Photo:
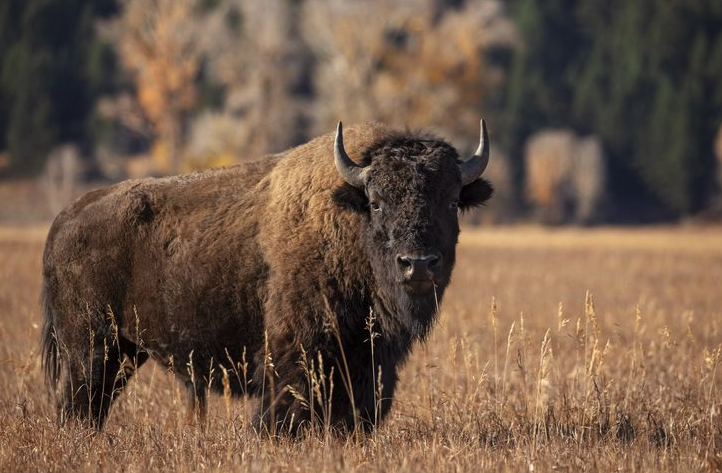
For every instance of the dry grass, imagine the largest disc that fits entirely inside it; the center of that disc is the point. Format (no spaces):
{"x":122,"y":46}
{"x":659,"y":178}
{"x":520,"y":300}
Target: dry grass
{"x":524,"y":372}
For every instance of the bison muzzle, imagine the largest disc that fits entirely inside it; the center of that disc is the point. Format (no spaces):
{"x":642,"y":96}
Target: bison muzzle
{"x":303,"y":268}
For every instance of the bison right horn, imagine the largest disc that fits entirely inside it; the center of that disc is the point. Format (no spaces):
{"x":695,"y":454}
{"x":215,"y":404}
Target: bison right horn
{"x":351,"y":172}
{"x":472,"y":168}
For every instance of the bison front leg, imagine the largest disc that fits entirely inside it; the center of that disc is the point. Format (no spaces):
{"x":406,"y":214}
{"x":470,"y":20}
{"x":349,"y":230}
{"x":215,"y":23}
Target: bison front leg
{"x":305,"y":388}
{"x":299,"y":369}
{"x":284,"y":407}
{"x":280,"y":414}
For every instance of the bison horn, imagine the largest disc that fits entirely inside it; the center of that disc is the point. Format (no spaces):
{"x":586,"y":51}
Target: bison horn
{"x":472,"y":168}
{"x":351,"y":172}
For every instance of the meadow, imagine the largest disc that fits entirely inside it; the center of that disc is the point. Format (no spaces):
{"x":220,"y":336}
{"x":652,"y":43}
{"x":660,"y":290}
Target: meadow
{"x":555,"y":350}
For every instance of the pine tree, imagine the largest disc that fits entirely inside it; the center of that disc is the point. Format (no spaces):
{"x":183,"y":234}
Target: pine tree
{"x":540,"y":84}
{"x":641,"y":75}
{"x":46,"y":90}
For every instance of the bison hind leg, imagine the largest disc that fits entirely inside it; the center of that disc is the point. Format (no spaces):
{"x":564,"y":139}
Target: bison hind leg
{"x":92,"y":383}
{"x":196,"y":402}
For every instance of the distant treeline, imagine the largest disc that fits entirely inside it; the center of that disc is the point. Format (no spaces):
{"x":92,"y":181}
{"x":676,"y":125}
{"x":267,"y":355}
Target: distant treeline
{"x":187,"y":81}
{"x":642,"y":75}
{"x":53,"y":69}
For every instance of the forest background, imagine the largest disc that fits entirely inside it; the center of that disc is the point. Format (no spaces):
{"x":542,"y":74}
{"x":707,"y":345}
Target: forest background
{"x":600,"y":111}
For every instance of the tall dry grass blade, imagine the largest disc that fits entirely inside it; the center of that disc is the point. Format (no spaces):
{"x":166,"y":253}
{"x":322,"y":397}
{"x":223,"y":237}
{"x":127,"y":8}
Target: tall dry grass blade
{"x":545,"y":354}
{"x":509,"y":341}
{"x":561,"y":321}
{"x":451,"y":358}
{"x":494,"y":320}
{"x":269,"y":376}
{"x":372,"y":334}
{"x":226,"y":391}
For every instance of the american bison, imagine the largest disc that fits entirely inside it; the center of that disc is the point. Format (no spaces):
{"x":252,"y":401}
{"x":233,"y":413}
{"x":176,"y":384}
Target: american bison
{"x":264,"y":279}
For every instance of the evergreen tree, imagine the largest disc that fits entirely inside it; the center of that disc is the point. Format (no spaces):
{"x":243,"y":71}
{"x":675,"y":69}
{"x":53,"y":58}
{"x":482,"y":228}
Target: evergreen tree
{"x":641,"y":75}
{"x":540,"y":86}
{"x":49,"y":75}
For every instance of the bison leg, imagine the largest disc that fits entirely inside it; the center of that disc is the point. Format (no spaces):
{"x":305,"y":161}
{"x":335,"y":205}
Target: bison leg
{"x":320,"y":391}
{"x":93,"y":382}
{"x":285,"y":404}
{"x":135,"y":357}
{"x":88,"y":388}
{"x":281,"y":413}
{"x":196,"y":393}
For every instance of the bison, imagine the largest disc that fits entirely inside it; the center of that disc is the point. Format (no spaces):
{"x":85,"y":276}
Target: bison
{"x":275,"y":278}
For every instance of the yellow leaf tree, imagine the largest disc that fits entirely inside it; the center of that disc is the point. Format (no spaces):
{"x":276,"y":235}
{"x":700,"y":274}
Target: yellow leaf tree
{"x":159,"y":45}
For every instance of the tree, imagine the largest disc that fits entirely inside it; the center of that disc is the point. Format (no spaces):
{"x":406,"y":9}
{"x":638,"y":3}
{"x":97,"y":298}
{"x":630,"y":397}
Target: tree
{"x":47,"y":89}
{"x":267,"y":69}
{"x":642,"y":75}
{"x":413,"y":64}
{"x":160,"y":44}
{"x":541,"y":80}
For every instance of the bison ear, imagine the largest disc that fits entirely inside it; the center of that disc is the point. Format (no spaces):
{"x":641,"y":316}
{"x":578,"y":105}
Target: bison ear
{"x":475,"y":194}
{"x":351,"y":198}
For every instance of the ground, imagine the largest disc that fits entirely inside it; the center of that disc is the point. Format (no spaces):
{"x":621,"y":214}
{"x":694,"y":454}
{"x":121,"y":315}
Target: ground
{"x":568,"y":349}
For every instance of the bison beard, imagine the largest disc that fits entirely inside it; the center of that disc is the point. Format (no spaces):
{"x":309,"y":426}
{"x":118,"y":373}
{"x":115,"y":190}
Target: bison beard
{"x":263,"y":279}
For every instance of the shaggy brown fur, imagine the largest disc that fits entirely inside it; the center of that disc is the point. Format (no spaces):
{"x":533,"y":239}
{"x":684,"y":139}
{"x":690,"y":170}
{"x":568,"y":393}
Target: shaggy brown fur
{"x":270,"y":260}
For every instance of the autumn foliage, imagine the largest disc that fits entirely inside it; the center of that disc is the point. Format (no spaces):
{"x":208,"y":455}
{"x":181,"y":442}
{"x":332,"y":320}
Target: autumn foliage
{"x":159,"y":45}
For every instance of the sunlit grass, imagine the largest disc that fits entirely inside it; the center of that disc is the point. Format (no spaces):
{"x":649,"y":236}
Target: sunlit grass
{"x":562,"y":349}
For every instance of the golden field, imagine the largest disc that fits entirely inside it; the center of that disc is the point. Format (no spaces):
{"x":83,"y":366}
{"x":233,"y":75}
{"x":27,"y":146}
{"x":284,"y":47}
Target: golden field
{"x":556,"y":350}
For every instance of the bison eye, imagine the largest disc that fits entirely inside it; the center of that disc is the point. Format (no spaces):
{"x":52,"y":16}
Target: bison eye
{"x":454,"y":205}
{"x":375,"y":206}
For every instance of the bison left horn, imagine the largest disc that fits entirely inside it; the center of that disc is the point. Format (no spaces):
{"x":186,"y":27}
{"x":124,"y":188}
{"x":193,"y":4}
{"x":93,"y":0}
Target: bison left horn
{"x":472,"y":168}
{"x":351,"y":172}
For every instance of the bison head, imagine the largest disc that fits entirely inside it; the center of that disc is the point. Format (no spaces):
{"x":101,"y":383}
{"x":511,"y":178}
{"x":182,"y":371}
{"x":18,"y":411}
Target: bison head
{"x":411,"y":191}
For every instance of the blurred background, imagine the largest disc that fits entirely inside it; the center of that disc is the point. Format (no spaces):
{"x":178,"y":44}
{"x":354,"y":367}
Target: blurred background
{"x":599,"y":112}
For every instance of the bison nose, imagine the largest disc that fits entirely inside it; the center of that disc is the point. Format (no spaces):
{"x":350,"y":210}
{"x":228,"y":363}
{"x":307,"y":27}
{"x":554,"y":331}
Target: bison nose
{"x":418,"y":268}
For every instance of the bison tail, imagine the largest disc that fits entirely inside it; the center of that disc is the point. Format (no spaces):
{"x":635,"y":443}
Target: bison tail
{"x":50,"y":347}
